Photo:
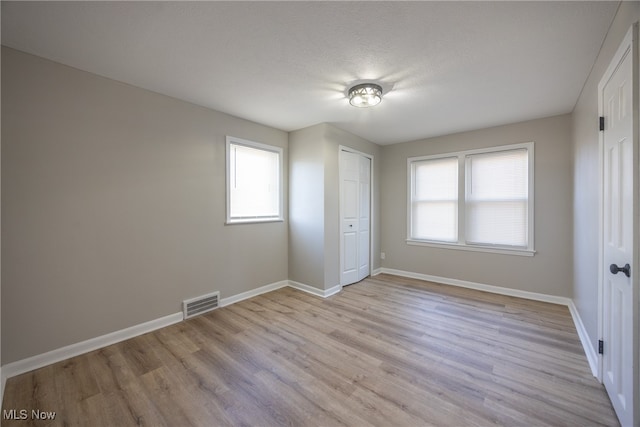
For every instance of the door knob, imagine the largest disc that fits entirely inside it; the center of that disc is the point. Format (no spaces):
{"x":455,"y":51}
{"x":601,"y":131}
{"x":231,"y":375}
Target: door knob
{"x":626,"y":269}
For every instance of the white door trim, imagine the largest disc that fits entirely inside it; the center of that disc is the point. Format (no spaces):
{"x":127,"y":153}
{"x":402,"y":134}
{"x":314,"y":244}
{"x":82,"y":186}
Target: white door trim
{"x":628,"y":46}
{"x":371,"y":205}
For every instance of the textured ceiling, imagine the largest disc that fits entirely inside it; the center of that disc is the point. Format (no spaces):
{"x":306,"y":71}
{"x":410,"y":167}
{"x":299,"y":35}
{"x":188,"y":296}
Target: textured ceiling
{"x":445,"y":67}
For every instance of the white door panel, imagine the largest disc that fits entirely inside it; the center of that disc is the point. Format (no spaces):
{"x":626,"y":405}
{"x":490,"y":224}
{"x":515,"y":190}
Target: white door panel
{"x":350,"y":251}
{"x":619,"y":296}
{"x":350,"y":199}
{"x":363,"y":265}
{"x":364,"y":210}
{"x":365,"y":196}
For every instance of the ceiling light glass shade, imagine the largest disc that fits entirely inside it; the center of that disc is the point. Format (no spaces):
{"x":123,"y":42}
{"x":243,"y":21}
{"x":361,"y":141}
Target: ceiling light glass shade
{"x":365,"y":95}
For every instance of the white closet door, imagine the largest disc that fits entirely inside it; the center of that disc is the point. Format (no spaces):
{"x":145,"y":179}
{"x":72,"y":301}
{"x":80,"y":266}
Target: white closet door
{"x":355,"y":217}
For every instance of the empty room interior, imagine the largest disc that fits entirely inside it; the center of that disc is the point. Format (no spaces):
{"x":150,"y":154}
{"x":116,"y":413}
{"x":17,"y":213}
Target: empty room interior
{"x":320,"y":213}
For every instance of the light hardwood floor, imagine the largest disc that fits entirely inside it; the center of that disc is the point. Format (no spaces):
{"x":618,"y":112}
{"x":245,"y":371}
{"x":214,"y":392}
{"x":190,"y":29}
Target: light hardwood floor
{"x":387,"y":351}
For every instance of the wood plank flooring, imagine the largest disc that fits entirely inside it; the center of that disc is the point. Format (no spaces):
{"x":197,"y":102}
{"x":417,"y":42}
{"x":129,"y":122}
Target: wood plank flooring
{"x":387,"y":351}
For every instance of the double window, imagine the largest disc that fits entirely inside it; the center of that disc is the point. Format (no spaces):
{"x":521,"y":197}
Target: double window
{"x":254,"y":182}
{"x":476,"y":200}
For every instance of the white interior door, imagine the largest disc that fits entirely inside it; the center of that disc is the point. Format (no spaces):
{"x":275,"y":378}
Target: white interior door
{"x":619,"y":292}
{"x":355,"y":216}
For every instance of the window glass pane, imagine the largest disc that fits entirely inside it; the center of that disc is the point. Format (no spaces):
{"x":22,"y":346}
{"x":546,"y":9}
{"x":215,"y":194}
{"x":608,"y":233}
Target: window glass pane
{"x":434,"y":199}
{"x":497,"y":198}
{"x":435,"y":221}
{"x":254,"y":186}
{"x":436,"y":179}
{"x":497,"y":223}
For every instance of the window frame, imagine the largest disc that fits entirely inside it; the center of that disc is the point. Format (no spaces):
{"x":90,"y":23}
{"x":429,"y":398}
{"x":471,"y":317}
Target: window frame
{"x":463,"y":172}
{"x":231,"y":140}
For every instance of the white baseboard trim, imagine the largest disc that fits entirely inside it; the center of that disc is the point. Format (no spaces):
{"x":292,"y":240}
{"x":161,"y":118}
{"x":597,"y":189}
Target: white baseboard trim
{"x":376,"y":272}
{"x":481,"y":287}
{"x":315,"y":291}
{"x":29,"y":364}
{"x":253,"y":293}
{"x":589,"y":351}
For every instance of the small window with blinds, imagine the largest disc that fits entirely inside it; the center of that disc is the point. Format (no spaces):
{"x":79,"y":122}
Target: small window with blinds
{"x":434,"y":199}
{"x":497,"y":198}
{"x":473,"y":200}
{"x":254,"y":182}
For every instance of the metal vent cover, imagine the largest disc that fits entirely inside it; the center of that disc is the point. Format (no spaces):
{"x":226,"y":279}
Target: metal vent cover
{"x":200,"y":305}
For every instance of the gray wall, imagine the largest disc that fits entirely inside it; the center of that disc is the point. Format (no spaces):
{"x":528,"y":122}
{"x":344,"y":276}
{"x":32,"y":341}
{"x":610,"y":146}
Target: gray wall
{"x":549,"y":271}
{"x":314,"y":233}
{"x":306,"y":206}
{"x":114,"y":207}
{"x":586,"y":180}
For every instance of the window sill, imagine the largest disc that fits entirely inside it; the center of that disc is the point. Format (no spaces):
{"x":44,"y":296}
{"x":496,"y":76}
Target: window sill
{"x":252,"y":220}
{"x":474,"y":248}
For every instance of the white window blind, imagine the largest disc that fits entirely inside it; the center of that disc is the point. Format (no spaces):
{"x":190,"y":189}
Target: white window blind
{"x":477,"y":200}
{"x":497,"y":198}
{"x":254,"y":182}
{"x":434,"y":199}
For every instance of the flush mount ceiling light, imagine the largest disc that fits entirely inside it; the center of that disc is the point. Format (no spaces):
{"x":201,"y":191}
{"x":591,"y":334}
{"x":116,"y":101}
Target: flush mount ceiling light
{"x":365,"y":95}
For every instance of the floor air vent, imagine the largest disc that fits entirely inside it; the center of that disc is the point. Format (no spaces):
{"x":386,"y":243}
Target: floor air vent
{"x":195,"y":306}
